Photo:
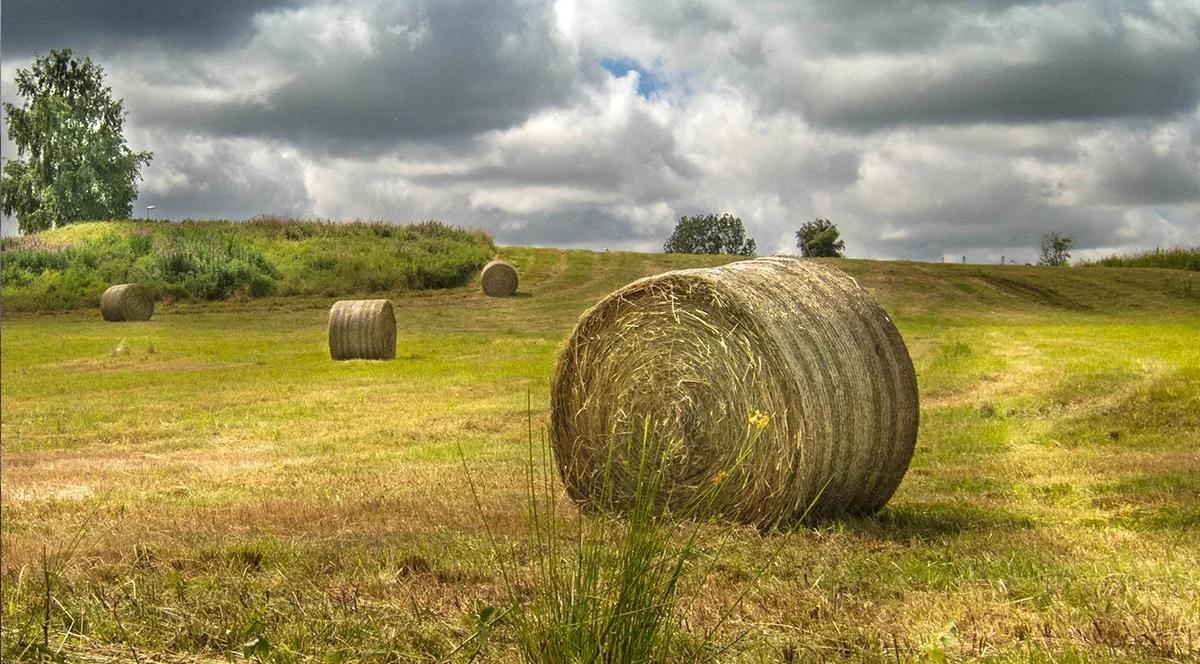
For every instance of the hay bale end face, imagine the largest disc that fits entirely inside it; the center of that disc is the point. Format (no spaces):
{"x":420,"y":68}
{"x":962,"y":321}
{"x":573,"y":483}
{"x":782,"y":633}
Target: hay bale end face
{"x":127,"y":302}
{"x":764,"y":386}
{"x":362,"y":330}
{"x":499,"y":279}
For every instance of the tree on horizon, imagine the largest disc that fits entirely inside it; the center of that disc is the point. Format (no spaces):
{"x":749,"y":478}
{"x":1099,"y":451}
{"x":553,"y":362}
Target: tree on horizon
{"x":73,"y":163}
{"x":710,"y":234}
{"x":820,"y":238}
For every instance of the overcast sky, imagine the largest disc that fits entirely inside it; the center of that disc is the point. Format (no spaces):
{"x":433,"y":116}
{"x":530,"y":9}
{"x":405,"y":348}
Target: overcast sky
{"x":923,"y":129}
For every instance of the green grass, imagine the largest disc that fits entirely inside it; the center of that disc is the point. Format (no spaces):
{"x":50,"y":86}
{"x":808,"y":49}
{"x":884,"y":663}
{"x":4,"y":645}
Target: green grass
{"x":1178,"y":258}
{"x":602,"y":589}
{"x":68,"y":268}
{"x":231,"y":490}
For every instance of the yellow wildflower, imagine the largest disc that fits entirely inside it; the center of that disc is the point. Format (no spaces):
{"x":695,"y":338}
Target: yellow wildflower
{"x":759,"y":419}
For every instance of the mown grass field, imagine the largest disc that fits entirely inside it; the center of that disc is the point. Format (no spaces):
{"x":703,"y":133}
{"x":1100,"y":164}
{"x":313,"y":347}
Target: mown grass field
{"x":209,"y":484}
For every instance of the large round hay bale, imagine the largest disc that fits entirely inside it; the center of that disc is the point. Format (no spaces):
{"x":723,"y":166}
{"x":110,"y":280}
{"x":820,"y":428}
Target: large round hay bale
{"x":499,"y":279}
{"x":764,"y":386}
{"x":125,"y":302}
{"x":362,"y":330}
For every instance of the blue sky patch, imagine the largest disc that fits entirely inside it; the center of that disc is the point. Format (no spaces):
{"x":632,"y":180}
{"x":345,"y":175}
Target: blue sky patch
{"x":648,"y":83}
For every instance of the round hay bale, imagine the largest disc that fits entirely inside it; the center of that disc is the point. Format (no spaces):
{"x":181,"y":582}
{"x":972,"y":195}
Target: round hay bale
{"x":125,"y":302}
{"x":362,"y":330}
{"x":499,"y":279}
{"x":763,"y":386}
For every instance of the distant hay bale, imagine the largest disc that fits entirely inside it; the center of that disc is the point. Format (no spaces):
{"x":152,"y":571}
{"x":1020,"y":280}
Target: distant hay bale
{"x":126,"y":302}
{"x":763,"y":385}
{"x":499,"y":279}
{"x":362,"y":330}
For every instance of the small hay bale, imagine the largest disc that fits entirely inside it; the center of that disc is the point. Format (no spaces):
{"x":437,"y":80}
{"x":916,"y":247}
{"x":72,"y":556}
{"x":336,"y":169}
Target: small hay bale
{"x":764,"y":386}
{"x":499,"y":279}
{"x":126,"y":302}
{"x":362,"y":330}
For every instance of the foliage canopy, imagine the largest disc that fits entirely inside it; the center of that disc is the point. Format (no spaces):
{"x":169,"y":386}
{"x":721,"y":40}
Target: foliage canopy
{"x":710,"y":234}
{"x":1055,"y":249}
{"x":820,"y":238}
{"x":73,"y":163}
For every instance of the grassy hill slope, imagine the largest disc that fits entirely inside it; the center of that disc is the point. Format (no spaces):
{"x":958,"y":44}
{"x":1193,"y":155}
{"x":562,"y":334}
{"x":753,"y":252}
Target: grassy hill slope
{"x":254,"y":492}
{"x":69,"y":267}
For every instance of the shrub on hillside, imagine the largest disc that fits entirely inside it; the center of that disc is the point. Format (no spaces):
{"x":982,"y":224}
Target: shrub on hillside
{"x":193,"y":264}
{"x":70,"y":267}
{"x":175,"y":261}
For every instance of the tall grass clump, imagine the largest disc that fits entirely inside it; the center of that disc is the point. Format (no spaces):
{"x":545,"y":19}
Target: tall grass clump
{"x":601,"y":587}
{"x":195,"y":263}
{"x":322,"y":258}
{"x":67,"y":270}
{"x":1177,"y":258}
{"x":607,"y":590}
{"x":70,"y":267}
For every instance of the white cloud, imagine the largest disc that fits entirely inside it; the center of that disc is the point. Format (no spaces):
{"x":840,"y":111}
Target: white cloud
{"x":939,"y":129}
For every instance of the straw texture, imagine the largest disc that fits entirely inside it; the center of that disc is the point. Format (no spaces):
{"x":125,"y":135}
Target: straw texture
{"x":762,"y":385}
{"x":362,"y":330}
{"x":499,"y":279}
{"x":126,"y":302}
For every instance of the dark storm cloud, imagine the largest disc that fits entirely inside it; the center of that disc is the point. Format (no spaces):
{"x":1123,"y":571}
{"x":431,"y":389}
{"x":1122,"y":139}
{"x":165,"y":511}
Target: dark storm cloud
{"x":839,"y":27}
{"x":204,"y":178}
{"x":581,"y":226}
{"x":436,"y":71}
{"x":36,"y":26}
{"x":1007,"y":221}
{"x":1077,"y":81}
{"x":1139,"y":176}
{"x":634,"y":155}
{"x":815,"y":168}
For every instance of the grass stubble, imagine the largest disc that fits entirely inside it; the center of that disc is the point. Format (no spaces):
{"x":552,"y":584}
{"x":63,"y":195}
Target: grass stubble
{"x":1050,"y":513}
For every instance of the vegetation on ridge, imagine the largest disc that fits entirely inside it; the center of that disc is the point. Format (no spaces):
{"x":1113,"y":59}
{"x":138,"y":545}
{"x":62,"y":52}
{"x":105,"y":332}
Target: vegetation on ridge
{"x":72,"y":161}
{"x":70,"y":267}
{"x":1178,"y":258}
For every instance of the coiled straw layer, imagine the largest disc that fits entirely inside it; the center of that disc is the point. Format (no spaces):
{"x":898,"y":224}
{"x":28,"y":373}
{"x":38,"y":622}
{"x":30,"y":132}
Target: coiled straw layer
{"x":499,"y":279}
{"x":362,"y":330}
{"x":126,"y":302}
{"x":763,"y":386}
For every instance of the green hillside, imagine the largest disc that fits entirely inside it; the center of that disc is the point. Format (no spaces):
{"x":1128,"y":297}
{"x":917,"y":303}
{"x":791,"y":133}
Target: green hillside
{"x":193,"y":261}
{"x":70,"y":267}
{"x":209,"y":486}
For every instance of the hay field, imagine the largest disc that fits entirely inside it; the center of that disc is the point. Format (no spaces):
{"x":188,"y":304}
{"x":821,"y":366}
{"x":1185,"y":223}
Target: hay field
{"x":209,"y":484}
